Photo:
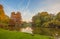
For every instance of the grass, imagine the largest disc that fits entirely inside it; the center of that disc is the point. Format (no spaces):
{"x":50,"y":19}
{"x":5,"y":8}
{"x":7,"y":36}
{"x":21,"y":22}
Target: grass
{"x":5,"y":34}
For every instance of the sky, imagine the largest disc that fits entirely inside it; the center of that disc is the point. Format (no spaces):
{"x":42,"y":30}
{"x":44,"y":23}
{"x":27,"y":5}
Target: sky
{"x":29,"y":8}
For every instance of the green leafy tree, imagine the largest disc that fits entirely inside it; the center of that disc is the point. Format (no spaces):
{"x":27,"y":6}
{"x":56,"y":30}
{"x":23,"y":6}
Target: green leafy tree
{"x":25,"y":24}
{"x":58,"y":16}
{"x":52,"y":27}
{"x":36,"y":21}
{"x":39,"y":20}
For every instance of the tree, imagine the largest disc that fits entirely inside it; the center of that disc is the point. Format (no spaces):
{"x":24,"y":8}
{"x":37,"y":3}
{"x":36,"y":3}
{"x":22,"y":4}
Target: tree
{"x":4,"y":19}
{"x":51,"y":27}
{"x":45,"y":17}
{"x":11,"y":25}
{"x":58,"y":16}
{"x":36,"y":21}
{"x":39,"y":19}
{"x":25,"y":24}
{"x":36,"y":24}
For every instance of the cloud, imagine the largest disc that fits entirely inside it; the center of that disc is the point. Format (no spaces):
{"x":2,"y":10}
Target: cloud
{"x":51,"y":6}
{"x":26,"y":15}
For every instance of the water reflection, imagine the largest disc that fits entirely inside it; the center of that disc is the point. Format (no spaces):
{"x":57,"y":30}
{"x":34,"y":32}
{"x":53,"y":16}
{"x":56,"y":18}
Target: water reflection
{"x":55,"y":32}
{"x":51,"y":31}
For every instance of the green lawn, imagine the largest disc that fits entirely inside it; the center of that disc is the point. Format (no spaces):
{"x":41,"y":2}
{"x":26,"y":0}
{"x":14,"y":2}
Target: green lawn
{"x":5,"y":34}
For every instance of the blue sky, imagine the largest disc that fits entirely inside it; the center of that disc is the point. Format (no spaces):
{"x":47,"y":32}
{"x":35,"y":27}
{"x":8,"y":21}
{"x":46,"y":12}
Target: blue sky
{"x":29,"y":8}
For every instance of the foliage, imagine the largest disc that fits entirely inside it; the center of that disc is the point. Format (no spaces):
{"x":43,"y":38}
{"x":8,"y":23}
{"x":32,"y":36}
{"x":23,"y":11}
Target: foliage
{"x":39,"y":20}
{"x":52,"y":24}
{"x":25,"y":24}
{"x":36,"y":21}
{"x":58,"y":16}
{"x":46,"y":24}
{"x":4,"y":20}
